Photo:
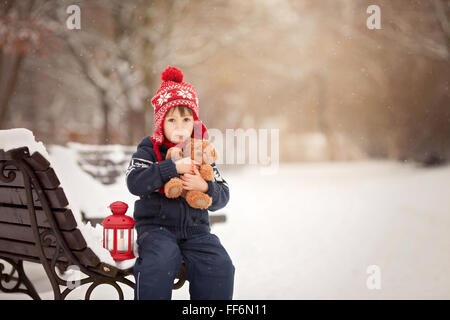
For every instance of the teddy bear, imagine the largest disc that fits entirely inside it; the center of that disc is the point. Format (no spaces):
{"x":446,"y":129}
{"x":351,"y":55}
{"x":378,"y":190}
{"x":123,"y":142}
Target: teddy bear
{"x":201,"y":151}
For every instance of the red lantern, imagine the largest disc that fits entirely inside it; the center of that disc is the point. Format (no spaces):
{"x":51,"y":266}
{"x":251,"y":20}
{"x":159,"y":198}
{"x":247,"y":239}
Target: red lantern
{"x":118,"y":232}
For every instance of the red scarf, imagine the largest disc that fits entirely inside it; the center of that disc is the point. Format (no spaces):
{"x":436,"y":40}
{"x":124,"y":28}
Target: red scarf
{"x":169,"y":144}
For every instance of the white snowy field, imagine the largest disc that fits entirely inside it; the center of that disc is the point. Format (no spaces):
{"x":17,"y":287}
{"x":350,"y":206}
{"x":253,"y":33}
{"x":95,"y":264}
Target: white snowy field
{"x":309,"y":231}
{"x":312,"y":230}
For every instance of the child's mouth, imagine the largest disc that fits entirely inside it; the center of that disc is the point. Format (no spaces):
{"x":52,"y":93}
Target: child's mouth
{"x":179,"y":136}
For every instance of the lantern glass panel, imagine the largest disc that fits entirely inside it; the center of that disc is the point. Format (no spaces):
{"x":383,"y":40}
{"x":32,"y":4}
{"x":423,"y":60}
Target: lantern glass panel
{"x":122,"y":240}
{"x":132,"y":241}
{"x":109,"y":239}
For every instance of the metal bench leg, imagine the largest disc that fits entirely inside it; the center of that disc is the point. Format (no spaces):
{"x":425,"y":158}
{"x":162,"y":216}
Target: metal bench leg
{"x":21,"y":278}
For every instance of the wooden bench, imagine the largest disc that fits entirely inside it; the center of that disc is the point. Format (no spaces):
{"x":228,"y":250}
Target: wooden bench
{"x":104,"y":163}
{"x":36,"y":225}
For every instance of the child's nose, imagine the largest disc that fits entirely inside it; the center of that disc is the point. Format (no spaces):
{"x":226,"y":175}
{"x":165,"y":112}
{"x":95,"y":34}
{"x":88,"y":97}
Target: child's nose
{"x":180,"y":125}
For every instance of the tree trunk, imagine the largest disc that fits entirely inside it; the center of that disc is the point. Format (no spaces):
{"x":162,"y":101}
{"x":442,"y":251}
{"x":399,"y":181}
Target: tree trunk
{"x":321,"y":116}
{"x":11,"y":83}
{"x":106,"y":135}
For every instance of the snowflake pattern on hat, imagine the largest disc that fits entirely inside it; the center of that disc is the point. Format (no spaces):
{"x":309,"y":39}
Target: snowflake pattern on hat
{"x":185,"y":94}
{"x":164,"y":98}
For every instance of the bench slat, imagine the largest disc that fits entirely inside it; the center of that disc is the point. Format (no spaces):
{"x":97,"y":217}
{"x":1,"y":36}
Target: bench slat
{"x":85,"y":256}
{"x":36,"y":161}
{"x":47,"y":178}
{"x":19,"y":215}
{"x":73,"y":238}
{"x":18,"y":257}
{"x":17,"y":196}
{"x":16,"y":237}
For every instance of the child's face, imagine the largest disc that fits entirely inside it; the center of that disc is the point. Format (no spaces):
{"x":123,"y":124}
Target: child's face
{"x":177,"y":128}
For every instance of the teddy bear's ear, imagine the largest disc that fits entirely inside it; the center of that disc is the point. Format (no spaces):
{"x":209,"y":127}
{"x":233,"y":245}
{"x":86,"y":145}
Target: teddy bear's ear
{"x":179,"y":153}
{"x":210,"y":153}
{"x":215,"y":154}
{"x":175,"y":153}
{"x":168,"y":154}
{"x":192,"y":141}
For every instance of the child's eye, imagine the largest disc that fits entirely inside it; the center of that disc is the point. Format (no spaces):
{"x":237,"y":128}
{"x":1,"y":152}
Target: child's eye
{"x":171,"y":120}
{"x":187,"y":119}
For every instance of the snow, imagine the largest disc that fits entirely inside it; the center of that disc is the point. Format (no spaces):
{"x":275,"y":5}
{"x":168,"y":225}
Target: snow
{"x":82,"y":191}
{"x":19,"y":137}
{"x":315,"y":232}
{"x":311,"y":230}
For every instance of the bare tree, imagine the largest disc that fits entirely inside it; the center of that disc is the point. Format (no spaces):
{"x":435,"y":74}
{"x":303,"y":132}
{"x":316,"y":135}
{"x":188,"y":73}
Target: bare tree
{"x":176,"y":35}
{"x":442,"y":9}
{"x":20,"y":35}
{"x":147,"y":36}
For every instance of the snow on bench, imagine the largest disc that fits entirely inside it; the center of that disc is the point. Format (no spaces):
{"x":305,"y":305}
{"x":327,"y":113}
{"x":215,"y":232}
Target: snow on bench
{"x":41,"y":222}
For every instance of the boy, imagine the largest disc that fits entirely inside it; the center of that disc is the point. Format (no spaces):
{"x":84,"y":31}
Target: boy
{"x":169,"y":230}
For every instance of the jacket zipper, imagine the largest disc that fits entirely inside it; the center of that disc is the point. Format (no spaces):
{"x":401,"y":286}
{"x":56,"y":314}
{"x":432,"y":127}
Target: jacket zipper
{"x":183,"y":233}
{"x":185,"y":217}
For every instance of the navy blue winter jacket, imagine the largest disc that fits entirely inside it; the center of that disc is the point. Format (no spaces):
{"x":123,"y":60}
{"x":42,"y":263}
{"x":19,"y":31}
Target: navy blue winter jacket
{"x":145,"y":175}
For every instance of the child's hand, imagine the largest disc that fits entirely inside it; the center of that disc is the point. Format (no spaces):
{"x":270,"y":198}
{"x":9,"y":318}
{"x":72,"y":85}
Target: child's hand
{"x":185,"y":165}
{"x":194,"y":181}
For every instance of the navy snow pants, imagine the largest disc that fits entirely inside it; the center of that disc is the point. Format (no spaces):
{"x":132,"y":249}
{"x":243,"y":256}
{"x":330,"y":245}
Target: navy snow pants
{"x":209,"y":269}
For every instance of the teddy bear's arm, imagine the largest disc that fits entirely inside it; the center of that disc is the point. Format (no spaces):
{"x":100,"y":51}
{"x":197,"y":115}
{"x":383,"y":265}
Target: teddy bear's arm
{"x":206,"y":172}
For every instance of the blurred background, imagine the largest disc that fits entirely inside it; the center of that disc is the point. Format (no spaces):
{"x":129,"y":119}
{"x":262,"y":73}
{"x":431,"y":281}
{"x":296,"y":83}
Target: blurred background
{"x":363,"y":118}
{"x":312,"y":69}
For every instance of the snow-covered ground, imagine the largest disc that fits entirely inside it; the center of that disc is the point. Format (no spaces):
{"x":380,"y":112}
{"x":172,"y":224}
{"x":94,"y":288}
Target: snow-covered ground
{"x":311,"y":230}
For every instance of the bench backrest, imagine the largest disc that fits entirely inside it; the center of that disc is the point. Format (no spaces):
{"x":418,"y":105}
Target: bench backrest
{"x":105,"y":163}
{"x":16,"y":235}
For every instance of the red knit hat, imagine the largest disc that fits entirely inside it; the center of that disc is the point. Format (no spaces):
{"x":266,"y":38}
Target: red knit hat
{"x":174,"y":92}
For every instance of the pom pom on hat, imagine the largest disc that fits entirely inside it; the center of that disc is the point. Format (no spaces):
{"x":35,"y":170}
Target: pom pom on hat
{"x":172,"y":74}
